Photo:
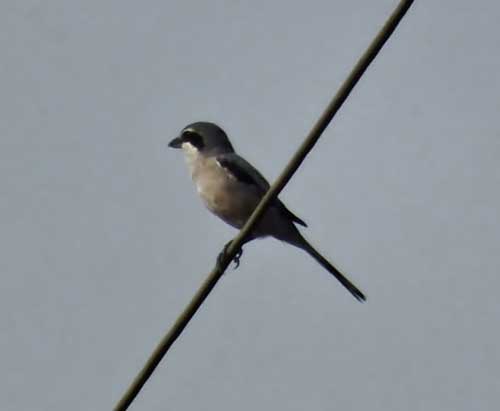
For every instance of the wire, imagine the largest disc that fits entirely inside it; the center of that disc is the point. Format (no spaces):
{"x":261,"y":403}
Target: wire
{"x":231,"y":251}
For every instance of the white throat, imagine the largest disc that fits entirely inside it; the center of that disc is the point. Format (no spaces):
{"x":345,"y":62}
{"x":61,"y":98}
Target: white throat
{"x":192,"y":156}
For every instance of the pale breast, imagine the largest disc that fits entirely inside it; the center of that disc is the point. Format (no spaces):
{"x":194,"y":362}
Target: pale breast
{"x":223,"y":194}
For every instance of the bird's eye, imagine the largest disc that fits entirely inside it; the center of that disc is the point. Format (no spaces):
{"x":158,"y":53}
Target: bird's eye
{"x":193,"y":138}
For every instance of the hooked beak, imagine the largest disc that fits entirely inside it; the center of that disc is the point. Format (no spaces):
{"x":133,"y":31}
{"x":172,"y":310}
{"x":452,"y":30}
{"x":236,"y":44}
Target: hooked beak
{"x":176,"y":143}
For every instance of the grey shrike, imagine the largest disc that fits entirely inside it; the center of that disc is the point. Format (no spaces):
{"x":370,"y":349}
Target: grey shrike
{"x":231,"y":188}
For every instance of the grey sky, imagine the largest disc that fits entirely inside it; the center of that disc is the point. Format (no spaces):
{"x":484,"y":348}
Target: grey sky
{"x":103,"y":240}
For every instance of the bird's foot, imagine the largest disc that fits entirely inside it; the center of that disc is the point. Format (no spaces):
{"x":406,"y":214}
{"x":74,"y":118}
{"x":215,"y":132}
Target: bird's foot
{"x":236,"y":258}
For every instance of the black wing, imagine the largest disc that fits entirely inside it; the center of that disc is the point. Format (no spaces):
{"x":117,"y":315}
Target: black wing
{"x":244,"y":172}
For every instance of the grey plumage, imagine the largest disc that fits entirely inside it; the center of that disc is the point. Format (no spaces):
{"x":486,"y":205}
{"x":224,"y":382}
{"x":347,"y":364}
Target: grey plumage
{"x":231,"y":188}
{"x":248,"y":174}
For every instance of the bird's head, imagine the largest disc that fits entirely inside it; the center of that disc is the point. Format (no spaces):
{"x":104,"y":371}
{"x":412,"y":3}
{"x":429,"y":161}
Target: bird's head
{"x":204,"y":138}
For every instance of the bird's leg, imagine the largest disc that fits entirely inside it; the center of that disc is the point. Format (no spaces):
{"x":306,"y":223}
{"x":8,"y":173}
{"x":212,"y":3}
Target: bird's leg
{"x":236,"y":258}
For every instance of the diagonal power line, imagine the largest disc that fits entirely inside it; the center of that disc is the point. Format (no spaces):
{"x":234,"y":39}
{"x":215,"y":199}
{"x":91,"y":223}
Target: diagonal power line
{"x":313,"y":136}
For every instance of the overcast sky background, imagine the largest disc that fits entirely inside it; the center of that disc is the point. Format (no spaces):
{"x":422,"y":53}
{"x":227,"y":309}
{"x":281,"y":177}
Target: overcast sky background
{"x":103,"y":240}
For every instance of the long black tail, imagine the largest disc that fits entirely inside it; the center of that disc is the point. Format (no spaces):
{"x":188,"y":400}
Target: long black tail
{"x":358,"y":295}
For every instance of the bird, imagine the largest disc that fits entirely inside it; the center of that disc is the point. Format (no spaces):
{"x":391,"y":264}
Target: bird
{"x":231,"y":188}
